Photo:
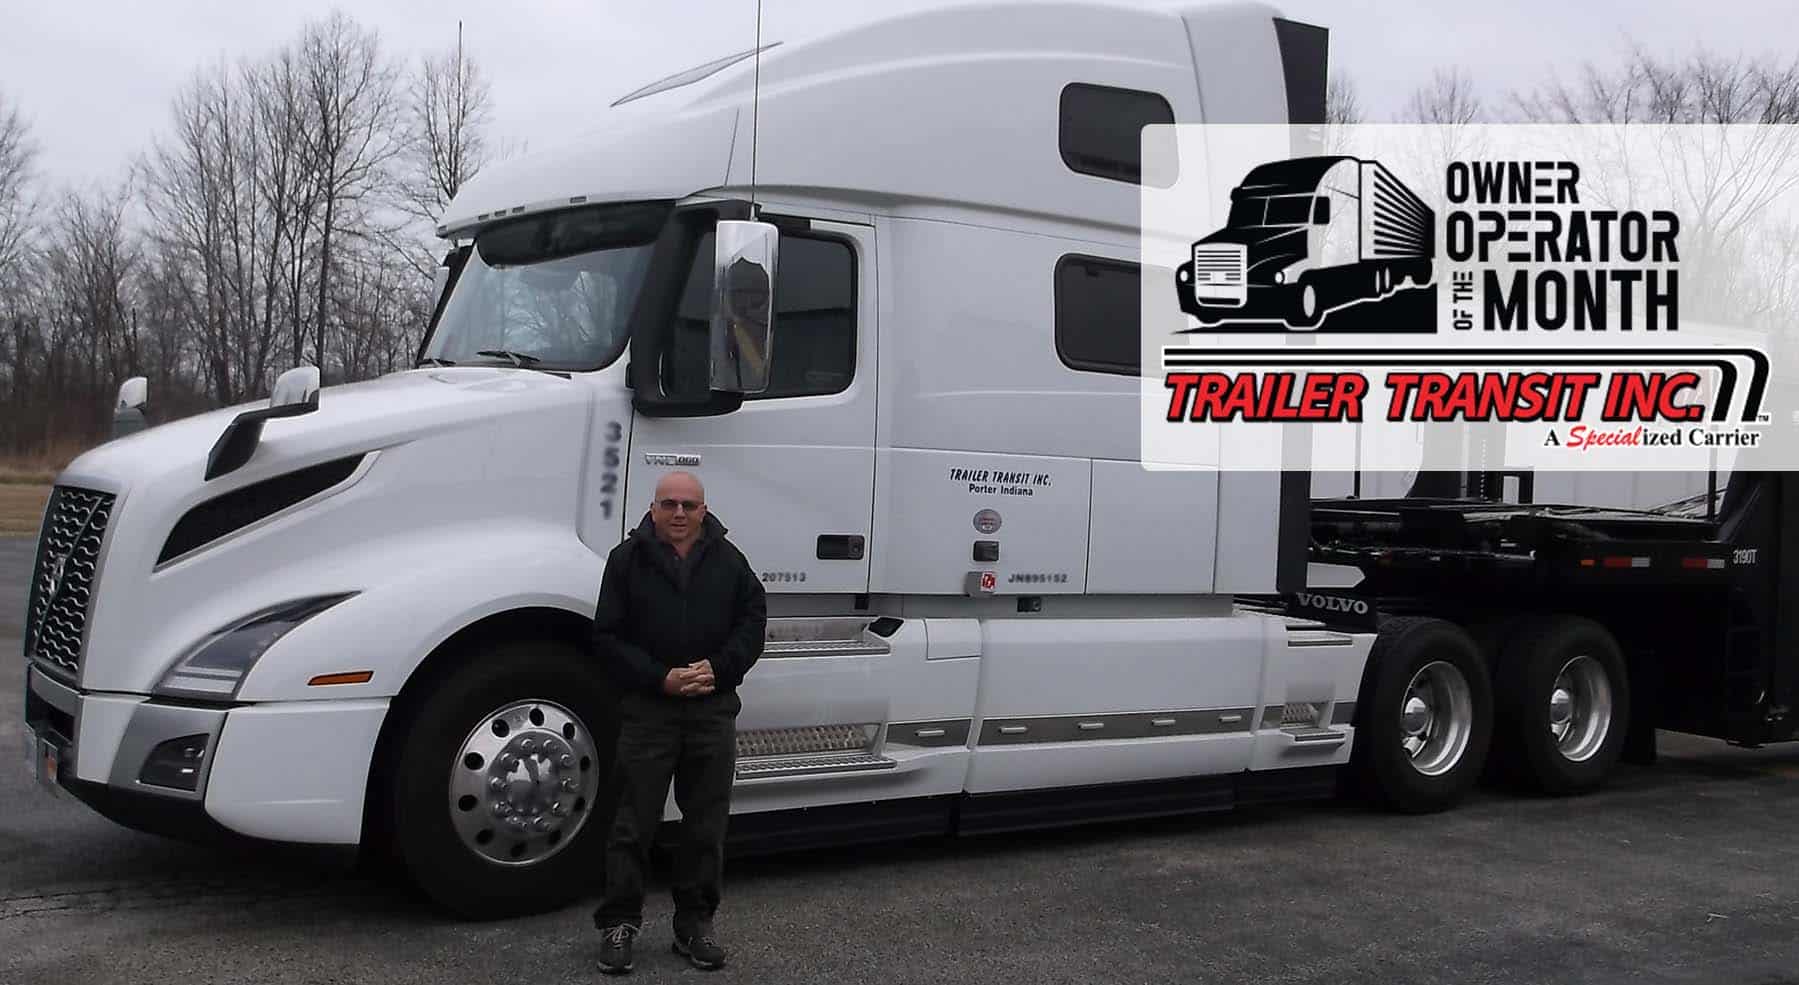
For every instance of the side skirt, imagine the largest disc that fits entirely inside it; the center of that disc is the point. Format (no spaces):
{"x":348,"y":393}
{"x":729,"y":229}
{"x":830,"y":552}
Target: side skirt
{"x":772,"y":832}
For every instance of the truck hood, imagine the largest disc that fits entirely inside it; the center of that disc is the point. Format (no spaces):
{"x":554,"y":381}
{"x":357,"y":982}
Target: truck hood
{"x":1262,"y":239}
{"x":450,"y":458}
{"x":350,"y":418}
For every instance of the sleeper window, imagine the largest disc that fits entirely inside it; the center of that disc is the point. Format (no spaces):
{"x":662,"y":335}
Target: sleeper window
{"x":1097,"y":321}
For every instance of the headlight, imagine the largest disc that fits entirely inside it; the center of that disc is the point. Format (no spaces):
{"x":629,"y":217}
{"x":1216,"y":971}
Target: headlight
{"x":215,"y":666}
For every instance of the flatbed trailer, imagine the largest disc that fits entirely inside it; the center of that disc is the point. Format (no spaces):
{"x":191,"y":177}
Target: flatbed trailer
{"x":1698,"y":610}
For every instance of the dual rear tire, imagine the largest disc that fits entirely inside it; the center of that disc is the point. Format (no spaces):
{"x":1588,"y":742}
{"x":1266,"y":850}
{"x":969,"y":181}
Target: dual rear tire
{"x":1563,"y":705}
{"x":1550,"y":707}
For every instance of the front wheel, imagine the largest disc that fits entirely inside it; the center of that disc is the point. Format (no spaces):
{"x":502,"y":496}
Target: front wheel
{"x":500,"y":792}
{"x":1308,"y":307}
{"x":1425,"y":721}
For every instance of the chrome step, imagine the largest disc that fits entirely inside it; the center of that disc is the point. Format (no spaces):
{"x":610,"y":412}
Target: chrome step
{"x":1317,"y":736}
{"x":822,"y":636}
{"x":759,"y":769}
{"x":823,"y":648}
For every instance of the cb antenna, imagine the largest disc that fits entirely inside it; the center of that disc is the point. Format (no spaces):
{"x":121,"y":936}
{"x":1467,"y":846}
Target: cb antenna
{"x":755,"y":110}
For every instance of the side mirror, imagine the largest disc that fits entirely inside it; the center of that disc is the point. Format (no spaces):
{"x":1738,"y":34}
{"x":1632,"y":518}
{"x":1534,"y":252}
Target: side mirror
{"x":299,"y":385}
{"x":743,"y":308}
{"x":1321,"y":211}
{"x":134,"y":394}
{"x":296,"y":392}
{"x":128,"y":414}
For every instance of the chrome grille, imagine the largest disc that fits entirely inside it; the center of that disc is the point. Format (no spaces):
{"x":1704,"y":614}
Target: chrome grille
{"x":1225,"y":261}
{"x":62,"y":584}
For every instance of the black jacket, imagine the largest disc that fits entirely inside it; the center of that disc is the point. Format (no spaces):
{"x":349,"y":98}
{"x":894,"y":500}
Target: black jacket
{"x":657,"y":612}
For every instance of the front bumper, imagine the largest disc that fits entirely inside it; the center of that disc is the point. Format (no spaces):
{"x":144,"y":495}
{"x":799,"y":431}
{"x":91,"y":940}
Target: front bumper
{"x":284,"y":771}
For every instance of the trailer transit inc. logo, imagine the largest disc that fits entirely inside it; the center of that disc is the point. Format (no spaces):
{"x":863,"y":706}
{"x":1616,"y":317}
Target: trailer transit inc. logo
{"x":1538,"y":278}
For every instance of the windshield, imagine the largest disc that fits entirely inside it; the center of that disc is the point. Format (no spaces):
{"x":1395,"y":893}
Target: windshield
{"x":556,"y":289}
{"x":1247,"y":212}
{"x":1275,"y":210}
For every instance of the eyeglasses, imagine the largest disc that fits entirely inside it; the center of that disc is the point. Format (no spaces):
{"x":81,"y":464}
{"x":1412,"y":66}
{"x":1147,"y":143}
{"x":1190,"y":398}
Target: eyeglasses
{"x":668,"y":505}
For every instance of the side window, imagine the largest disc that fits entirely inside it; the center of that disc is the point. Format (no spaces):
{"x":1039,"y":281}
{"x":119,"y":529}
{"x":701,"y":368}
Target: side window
{"x":1098,"y":326}
{"x":1101,"y":134}
{"x":814,"y":351}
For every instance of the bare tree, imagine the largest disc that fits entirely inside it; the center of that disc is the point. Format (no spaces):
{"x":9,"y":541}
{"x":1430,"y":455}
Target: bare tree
{"x":449,"y":116}
{"x":1702,"y":88}
{"x":210,"y":224}
{"x":280,"y":117}
{"x":1448,"y":99}
{"x":91,"y":262}
{"x":17,"y":157}
{"x":1726,"y":180}
{"x":353,"y":136}
{"x":1341,"y":105}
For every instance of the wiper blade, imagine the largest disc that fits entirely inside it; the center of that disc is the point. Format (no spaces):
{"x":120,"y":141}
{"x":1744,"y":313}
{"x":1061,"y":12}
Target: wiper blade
{"x":437,"y":361}
{"x":518,"y":358}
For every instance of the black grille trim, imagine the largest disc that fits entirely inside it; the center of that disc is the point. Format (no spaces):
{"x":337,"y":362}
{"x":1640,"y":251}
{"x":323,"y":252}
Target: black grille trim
{"x":62,"y":578}
{"x":239,"y":508}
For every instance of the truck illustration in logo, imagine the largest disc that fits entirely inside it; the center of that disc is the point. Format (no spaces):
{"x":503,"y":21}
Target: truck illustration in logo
{"x":1305,"y":237}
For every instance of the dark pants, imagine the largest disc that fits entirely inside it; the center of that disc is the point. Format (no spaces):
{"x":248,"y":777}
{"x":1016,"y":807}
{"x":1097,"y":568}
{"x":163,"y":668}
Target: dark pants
{"x":694,"y":742}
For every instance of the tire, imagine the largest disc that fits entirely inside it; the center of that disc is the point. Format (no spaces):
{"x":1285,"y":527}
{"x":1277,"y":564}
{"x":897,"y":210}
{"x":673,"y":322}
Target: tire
{"x":1308,"y":305}
{"x":1422,"y":658}
{"x":1535,"y":749}
{"x":543,"y":685}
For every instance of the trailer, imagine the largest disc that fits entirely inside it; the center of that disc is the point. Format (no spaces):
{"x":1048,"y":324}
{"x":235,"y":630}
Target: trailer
{"x":1306,"y":236}
{"x":1596,"y":626}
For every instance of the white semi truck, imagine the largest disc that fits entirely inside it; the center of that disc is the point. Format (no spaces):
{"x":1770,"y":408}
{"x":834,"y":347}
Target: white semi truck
{"x":360,"y":616}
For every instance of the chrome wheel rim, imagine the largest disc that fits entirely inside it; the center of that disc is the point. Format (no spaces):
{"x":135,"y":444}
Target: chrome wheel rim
{"x":521,"y":782}
{"x":1436,"y":716}
{"x":1308,"y":300}
{"x":1580,"y":709}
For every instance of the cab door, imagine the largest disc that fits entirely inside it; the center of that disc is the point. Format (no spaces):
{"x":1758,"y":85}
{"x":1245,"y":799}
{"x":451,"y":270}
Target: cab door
{"x":791,"y":471}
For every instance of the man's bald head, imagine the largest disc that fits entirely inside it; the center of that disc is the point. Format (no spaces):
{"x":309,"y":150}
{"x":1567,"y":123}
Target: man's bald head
{"x":680,"y":484}
{"x":679,"y":509}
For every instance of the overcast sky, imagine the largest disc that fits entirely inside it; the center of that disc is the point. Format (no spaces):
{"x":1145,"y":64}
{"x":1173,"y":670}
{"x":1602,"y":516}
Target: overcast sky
{"x":95,"y":77}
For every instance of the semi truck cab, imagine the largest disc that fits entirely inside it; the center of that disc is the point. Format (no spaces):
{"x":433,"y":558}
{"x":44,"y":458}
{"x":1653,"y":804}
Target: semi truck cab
{"x":902,"y":359}
{"x":1305,"y":236}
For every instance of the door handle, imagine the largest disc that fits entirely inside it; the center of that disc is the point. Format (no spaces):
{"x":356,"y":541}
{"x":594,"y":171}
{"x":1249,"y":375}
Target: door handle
{"x":840,"y":547}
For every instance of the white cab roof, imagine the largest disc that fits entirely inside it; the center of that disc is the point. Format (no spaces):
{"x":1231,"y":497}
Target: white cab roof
{"x":940,"y":111}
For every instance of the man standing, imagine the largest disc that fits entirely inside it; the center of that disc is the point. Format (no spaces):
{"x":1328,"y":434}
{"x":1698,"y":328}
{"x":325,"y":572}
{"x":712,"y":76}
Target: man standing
{"x":680,"y":621}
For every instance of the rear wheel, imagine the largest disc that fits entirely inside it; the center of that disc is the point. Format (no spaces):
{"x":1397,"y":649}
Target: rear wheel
{"x":1422,"y":734}
{"x":499,"y":794}
{"x":1564,"y":705}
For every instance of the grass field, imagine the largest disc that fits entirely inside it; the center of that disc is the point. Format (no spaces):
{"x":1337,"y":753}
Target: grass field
{"x":22,"y":507}
{"x":25,"y":487}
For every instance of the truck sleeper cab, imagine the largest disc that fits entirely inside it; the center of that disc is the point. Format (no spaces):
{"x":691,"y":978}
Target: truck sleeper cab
{"x":359,"y":615}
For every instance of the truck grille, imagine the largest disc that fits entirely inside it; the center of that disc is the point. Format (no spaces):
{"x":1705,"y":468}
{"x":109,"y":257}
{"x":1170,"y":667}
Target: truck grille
{"x":1226,"y":262}
{"x":62,"y":584}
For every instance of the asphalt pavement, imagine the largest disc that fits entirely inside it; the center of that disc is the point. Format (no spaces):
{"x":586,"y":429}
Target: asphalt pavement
{"x":1687,"y":872}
